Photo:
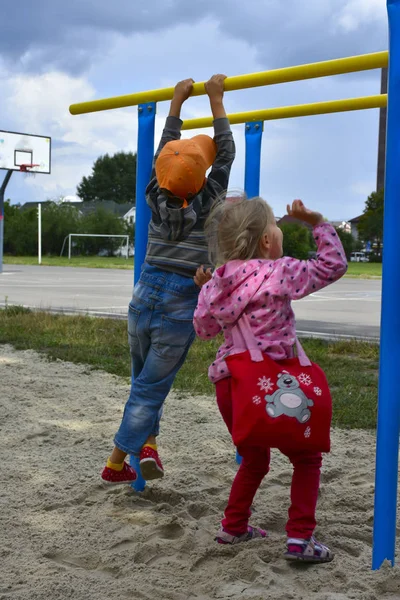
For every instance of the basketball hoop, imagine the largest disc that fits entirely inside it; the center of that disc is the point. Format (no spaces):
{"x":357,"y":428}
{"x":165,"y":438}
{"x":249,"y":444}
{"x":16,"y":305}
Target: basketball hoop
{"x":26,"y":169}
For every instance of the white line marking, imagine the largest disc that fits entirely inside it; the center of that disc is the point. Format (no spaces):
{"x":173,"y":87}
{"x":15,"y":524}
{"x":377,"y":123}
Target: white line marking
{"x":337,"y":336}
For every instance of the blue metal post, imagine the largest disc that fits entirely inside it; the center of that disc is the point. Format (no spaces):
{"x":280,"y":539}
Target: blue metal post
{"x":145,"y":155}
{"x":253,"y":135}
{"x":387,"y":450}
{"x":140,"y":483}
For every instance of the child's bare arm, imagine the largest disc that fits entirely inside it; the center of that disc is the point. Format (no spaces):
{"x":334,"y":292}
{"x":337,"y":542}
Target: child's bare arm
{"x":215,"y":91}
{"x":172,"y":129}
{"x":218,"y":178}
{"x":183,"y":89}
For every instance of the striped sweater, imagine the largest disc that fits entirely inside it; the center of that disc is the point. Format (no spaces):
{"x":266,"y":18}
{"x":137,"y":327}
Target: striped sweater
{"x":176,"y":240}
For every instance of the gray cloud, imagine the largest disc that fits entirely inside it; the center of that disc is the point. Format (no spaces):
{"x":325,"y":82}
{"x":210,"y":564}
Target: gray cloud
{"x":58,"y":144}
{"x":69,"y":35}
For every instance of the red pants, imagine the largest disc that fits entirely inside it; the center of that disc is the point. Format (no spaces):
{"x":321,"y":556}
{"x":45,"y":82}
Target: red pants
{"x":254,"y":467}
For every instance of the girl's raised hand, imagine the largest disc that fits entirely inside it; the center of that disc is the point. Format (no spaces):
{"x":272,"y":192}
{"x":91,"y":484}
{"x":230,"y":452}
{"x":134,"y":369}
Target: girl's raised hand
{"x":299,"y":211}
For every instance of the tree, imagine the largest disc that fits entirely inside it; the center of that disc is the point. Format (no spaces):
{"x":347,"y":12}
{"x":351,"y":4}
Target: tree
{"x":349,"y":243}
{"x":112,"y":178}
{"x":58,"y":220}
{"x":101,"y":222}
{"x":296,"y":240}
{"x":370,"y":226}
{"x":20,"y":230}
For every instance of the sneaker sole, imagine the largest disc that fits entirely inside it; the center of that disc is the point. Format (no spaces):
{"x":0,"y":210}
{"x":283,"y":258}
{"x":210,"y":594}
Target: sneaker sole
{"x":150,"y":470}
{"x":113,"y":483}
{"x":308,"y":559}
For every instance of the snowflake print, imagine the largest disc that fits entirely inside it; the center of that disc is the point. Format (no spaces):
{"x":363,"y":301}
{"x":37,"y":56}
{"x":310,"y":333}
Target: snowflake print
{"x":305,"y":379}
{"x":317,"y":391}
{"x":257,"y":400}
{"x":265,"y":384}
{"x":307,"y":432}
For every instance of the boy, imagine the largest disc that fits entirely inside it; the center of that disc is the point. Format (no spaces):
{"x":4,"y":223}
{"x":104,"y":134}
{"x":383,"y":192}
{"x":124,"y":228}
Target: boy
{"x":160,"y":318}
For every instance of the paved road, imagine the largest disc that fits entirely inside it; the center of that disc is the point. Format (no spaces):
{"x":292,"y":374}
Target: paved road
{"x":350,"y":307}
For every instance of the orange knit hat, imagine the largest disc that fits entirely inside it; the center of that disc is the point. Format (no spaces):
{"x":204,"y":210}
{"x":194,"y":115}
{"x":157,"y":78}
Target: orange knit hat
{"x":182,"y":165}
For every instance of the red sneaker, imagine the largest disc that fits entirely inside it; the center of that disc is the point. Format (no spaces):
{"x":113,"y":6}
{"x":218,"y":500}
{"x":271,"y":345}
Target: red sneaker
{"x":150,"y":464}
{"x":112,"y":477}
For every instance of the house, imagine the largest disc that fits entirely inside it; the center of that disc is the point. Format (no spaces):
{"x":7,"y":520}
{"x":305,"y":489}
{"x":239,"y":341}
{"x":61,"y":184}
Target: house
{"x":29,"y":205}
{"x":343,"y":225}
{"x":121,"y":210}
{"x":71,"y":200}
{"x":130,"y":216}
{"x":354,"y":226}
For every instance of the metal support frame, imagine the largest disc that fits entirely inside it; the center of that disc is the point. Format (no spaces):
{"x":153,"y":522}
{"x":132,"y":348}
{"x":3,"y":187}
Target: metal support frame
{"x":145,"y":156}
{"x":253,"y":136}
{"x":389,"y":400}
{"x":39,"y":234}
{"x":388,"y":429}
{"x":326,"y":68}
{"x":2,"y":192}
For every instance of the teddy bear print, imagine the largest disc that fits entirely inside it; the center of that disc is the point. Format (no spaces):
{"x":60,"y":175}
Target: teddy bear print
{"x":288,"y":400}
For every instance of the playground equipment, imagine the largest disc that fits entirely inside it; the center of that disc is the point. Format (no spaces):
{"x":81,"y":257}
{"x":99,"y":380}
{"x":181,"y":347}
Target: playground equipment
{"x":23,"y":152}
{"x":389,"y":398}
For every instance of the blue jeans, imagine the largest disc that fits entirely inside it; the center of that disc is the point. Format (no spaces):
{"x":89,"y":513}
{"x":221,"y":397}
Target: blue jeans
{"x":160,"y":333}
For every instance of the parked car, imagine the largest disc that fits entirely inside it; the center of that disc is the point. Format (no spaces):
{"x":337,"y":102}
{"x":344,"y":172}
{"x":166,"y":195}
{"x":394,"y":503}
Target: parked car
{"x":359,"y":257}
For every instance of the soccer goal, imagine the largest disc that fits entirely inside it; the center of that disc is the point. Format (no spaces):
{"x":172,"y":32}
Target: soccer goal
{"x":98,"y":235}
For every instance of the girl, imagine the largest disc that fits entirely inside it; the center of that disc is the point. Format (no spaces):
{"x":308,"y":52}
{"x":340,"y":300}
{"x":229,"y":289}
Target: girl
{"x":256,"y":280}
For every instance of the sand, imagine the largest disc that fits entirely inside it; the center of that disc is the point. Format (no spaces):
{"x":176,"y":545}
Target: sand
{"x":64,"y":536}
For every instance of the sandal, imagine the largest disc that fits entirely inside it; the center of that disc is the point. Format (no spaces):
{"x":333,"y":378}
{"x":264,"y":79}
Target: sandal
{"x":308,"y":551}
{"x":252,"y":533}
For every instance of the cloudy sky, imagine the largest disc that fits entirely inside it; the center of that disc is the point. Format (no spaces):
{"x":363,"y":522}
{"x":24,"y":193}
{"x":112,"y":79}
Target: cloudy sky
{"x":56,"y":52}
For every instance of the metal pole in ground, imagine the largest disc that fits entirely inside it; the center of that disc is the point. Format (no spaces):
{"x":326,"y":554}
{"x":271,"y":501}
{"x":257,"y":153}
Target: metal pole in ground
{"x":2,"y":192}
{"x":145,"y":155}
{"x":39,"y":234}
{"x":380,"y":172}
{"x":253,"y":137}
{"x":387,"y":443}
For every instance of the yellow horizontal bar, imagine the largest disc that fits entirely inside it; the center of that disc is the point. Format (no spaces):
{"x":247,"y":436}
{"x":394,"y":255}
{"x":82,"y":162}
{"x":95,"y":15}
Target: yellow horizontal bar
{"x":338,"y":66}
{"x":301,"y":110}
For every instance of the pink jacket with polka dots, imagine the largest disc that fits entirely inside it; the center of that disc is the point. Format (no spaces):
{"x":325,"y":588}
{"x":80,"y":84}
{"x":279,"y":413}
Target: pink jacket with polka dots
{"x":264,"y":289}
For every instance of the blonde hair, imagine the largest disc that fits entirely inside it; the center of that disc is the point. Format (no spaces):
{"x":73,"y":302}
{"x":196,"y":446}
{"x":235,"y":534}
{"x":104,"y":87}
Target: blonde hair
{"x":235,"y":227}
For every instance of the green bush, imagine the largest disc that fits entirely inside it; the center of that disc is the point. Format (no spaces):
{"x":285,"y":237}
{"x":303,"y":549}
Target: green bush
{"x":297,"y":241}
{"x":59,"y":220}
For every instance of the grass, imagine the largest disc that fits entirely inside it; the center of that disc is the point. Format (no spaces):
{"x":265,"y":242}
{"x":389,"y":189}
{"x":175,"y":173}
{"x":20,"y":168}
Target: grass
{"x":364,"y":270}
{"x":351,"y":366}
{"x":358,"y":270}
{"x":92,"y":262}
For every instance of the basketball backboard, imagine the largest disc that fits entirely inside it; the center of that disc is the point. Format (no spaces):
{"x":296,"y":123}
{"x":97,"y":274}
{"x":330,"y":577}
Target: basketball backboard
{"x":18,"y":149}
